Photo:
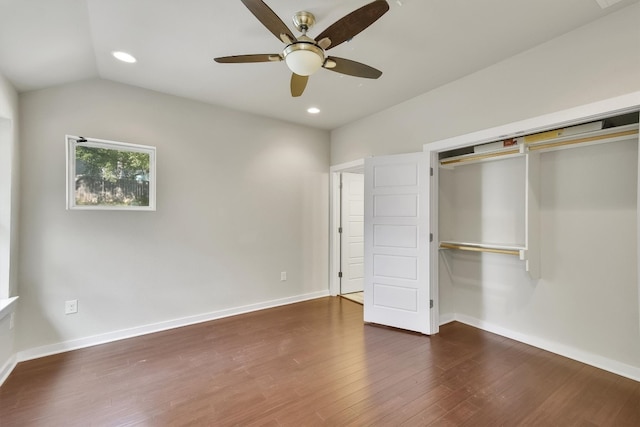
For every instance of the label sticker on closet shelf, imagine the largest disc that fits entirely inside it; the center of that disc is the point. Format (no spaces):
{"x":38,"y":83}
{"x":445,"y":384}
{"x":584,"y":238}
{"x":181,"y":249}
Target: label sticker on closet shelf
{"x":492,"y":146}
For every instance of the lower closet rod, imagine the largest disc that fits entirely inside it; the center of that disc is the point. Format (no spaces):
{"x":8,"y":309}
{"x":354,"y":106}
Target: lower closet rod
{"x":479,"y":249}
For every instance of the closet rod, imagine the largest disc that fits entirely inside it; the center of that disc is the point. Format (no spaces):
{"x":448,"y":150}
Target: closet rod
{"x":479,"y":249}
{"x":543,"y":146}
{"x":479,"y":157}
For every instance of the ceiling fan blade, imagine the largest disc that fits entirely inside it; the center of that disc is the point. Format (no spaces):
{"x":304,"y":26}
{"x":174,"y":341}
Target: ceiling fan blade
{"x":298,"y":84}
{"x":269,"y":19}
{"x":241,"y":59}
{"x":351,"y":68}
{"x":353,"y":23}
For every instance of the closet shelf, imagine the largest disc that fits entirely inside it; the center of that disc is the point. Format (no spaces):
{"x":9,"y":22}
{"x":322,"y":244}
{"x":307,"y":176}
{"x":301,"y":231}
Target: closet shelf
{"x":523,"y":147}
{"x":516,"y":250}
{"x":524,"y":175}
{"x":477,"y":157}
{"x":595,"y":137}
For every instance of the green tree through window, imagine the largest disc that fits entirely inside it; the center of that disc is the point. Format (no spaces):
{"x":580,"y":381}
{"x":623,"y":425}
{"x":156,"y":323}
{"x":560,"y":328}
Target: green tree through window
{"x":110,"y":177}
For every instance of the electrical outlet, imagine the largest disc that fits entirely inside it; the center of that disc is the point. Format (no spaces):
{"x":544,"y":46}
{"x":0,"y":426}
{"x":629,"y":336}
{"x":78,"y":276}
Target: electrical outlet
{"x":71,"y":306}
{"x":283,"y":276}
{"x":12,"y":320}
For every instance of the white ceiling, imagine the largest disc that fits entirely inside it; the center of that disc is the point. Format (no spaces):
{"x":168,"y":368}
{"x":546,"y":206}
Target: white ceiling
{"x":419,"y":45}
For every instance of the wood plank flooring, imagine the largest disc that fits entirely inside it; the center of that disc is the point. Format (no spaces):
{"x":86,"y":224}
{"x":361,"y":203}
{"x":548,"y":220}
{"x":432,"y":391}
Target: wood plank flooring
{"x":355,"y":297}
{"x":314,"y":363}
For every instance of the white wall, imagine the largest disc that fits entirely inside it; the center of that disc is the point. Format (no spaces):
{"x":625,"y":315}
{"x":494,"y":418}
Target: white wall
{"x":8,"y":212}
{"x":595,"y":62}
{"x":240,"y":199}
{"x":592,"y":63}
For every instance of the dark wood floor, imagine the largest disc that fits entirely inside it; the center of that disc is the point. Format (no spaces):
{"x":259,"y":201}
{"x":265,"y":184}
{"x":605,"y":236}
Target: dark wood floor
{"x":314,"y":363}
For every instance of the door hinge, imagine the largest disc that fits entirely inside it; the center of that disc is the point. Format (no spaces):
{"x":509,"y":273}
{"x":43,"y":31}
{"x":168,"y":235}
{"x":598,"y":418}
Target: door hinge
{"x":340,"y":274}
{"x":340,"y":230}
{"x":430,"y":303}
{"x":431,"y":172}
{"x":431,"y":237}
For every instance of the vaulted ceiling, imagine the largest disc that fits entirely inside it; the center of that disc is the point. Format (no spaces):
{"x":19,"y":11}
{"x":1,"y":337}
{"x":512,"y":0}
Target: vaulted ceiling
{"x":419,"y":45}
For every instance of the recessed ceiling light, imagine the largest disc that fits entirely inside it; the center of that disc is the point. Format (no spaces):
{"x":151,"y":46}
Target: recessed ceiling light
{"x":313,"y":110}
{"x":124,"y":57}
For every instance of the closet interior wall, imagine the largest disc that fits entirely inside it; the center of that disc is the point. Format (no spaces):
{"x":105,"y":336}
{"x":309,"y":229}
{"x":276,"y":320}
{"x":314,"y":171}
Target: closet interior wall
{"x":586,"y":231}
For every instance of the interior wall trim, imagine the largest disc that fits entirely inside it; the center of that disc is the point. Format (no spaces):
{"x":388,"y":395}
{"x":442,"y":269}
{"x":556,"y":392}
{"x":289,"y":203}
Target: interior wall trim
{"x":447,"y":318}
{"x":8,"y":368}
{"x":570,"y":352}
{"x":79,"y":343}
{"x":354,"y":166}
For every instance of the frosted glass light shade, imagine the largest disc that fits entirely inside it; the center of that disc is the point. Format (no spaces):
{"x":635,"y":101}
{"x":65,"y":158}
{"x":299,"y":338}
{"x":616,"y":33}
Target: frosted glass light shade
{"x":303,"y":62}
{"x":304,"y":58}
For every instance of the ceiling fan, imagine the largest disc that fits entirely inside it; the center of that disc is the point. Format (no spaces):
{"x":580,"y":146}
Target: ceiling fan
{"x":304,"y":55}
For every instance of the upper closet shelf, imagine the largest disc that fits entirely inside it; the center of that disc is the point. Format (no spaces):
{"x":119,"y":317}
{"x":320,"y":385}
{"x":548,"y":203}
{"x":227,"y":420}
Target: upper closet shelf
{"x":587,"y":134}
{"x":619,"y":133}
{"x":497,"y":151}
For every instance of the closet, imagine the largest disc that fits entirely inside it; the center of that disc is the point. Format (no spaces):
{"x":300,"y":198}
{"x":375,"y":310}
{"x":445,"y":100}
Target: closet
{"x":489,"y":194}
{"x":537,"y":238}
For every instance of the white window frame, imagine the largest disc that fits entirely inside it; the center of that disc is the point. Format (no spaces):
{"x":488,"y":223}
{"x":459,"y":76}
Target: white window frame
{"x":71,"y":142}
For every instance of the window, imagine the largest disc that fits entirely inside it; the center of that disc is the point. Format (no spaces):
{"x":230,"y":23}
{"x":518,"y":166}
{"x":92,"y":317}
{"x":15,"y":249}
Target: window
{"x":110,"y":175}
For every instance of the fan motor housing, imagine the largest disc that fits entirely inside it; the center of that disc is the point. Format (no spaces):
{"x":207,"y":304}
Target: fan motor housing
{"x":303,"y":21}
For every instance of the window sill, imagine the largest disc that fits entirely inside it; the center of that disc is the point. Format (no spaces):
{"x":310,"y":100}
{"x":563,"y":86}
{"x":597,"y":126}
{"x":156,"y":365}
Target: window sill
{"x":7,"y":306}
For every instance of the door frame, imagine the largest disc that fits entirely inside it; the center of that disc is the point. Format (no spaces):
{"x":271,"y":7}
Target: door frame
{"x":356,"y":166}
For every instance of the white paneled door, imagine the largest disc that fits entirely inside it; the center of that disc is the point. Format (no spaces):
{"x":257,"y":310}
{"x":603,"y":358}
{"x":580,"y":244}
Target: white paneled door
{"x":352,"y":237}
{"x":396,"y":236}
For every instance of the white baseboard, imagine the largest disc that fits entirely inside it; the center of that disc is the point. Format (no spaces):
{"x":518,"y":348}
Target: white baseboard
{"x":588,"y":358}
{"x":8,"y":368}
{"x":64,"y":346}
{"x":447,"y":318}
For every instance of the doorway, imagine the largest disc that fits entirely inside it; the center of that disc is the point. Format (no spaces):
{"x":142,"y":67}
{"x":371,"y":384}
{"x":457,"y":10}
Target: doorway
{"x":351,"y":232}
{"x":347,"y":231}
{"x":396,"y":206}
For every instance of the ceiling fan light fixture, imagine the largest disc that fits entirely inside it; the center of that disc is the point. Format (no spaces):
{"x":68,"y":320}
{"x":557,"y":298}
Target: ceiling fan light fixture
{"x":303,"y":58}
{"x":304,"y":55}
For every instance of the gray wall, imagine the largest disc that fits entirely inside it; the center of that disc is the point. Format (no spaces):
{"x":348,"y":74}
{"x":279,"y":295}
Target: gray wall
{"x":240,"y":198}
{"x":588,"y":312}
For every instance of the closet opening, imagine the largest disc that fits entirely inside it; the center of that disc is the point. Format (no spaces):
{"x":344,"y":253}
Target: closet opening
{"x":536,"y":232}
{"x":489,"y":194}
